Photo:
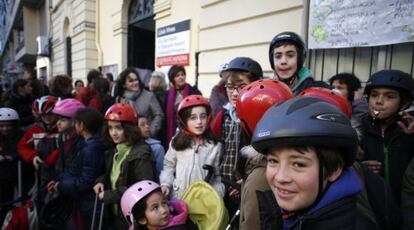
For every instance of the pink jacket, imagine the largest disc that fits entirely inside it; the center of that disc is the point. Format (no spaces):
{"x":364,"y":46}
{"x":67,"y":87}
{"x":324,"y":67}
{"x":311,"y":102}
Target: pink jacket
{"x":179,"y":214}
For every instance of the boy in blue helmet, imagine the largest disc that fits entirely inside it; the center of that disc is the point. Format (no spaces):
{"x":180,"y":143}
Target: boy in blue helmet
{"x":388,"y":149}
{"x":287,"y":54}
{"x":309,"y":146}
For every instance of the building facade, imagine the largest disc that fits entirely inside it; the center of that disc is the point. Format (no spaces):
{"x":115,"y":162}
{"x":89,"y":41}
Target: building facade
{"x":152,"y":34}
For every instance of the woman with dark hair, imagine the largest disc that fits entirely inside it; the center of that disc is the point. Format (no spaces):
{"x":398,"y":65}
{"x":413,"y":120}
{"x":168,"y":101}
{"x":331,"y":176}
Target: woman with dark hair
{"x":130,"y":89}
{"x":61,"y":86}
{"x":179,"y":90}
{"x":88,"y":95}
{"x":21,"y":99}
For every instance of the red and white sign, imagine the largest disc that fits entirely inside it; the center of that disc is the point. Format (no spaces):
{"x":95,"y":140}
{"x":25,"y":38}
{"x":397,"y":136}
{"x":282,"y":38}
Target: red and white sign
{"x":173,"y":44}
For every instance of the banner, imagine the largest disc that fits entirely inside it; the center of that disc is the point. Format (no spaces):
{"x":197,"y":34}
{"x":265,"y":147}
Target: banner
{"x":173,"y":44}
{"x":350,"y":23}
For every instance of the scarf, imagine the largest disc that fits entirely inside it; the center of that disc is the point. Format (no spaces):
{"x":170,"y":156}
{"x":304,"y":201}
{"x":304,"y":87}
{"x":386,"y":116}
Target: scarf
{"x":119,"y":157}
{"x":171,"y":119}
{"x":129,"y":97}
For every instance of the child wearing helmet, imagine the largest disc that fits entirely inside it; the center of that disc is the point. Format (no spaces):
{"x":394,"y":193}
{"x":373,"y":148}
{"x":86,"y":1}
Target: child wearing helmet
{"x":77,"y":179}
{"x":38,"y":146}
{"x":156,"y":146}
{"x":287,"y":54}
{"x":68,"y":139}
{"x":309,"y":146}
{"x":39,"y":143}
{"x":252,"y":103}
{"x":10,"y":134}
{"x":227,"y":127}
{"x":128,"y":161}
{"x":144,"y":207}
{"x":388,"y":150}
{"x":191,"y":148}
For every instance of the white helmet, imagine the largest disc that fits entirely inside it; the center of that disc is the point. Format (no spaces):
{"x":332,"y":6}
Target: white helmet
{"x":8,"y":114}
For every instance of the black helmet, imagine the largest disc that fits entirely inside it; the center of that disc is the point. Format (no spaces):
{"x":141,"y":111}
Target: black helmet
{"x":290,"y":37}
{"x":391,"y":78}
{"x":306,"y":121}
{"x":246,"y":64}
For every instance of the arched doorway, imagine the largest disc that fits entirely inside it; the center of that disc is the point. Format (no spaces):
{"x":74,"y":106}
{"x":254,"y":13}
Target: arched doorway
{"x":141,"y":34}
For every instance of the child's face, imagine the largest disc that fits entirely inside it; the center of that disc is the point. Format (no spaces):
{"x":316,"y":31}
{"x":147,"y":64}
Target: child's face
{"x":63,"y":124}
{"x":233,"y":89}
{"x":343,"y":88}
{"x":285,"y":60}
{"x":293,"y":177}
{"x":6,"y":128}
{"x":48,"y":119}
{"x":383,"y":102}
{"x":132,"y":82}
{"x":144,"y":126}
{"x":157,"y":212}
{"x":197,"y":122}
{"x":116,"y":131}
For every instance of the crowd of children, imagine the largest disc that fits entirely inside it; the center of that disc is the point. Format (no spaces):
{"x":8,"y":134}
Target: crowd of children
{"x":283,"y":153}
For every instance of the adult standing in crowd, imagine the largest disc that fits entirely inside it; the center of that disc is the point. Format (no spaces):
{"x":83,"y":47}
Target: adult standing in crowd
{"x":158,"y":86}
{"x":131,"y":90}
{"x":218,"y":95}
{"x":39,"y":89}
{"x":179,"y":90}
{"x":61,"y":86}
{"x":21,"y":100}
{"x":88,"y":95}
{"x":78,"y":86}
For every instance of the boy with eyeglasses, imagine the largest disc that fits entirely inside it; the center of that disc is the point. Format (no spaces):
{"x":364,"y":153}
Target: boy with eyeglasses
{"x":227,"y":128}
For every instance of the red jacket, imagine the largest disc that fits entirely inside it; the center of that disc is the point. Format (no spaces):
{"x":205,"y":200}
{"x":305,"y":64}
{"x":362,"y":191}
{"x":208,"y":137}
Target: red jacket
{"x":38,"y":142}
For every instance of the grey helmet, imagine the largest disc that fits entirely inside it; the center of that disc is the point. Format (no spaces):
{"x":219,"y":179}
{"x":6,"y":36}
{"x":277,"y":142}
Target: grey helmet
{"x":306,"y":121}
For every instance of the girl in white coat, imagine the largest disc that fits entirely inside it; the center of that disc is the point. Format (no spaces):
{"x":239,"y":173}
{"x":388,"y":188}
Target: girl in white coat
{"x":191,"y":148}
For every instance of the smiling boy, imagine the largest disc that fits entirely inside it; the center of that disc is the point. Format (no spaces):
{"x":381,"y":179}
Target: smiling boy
{"x":309,"y":146}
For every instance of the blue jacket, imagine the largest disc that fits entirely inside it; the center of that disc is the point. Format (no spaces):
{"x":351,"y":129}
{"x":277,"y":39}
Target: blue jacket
{"x":158,"y":150}
{"x":88,"y":164}
{"x":337,"y":209}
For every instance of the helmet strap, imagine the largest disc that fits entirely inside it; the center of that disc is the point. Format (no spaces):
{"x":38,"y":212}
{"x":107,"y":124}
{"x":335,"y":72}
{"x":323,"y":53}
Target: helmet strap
{"x":289,"y":81}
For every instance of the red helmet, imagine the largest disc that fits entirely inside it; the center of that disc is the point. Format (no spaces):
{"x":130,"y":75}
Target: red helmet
{"x":43,"y":105}
{"x":191,"y":101}
{"x":255,"y":98}
{"x":330,"y":96}
{"x":121,"y":112}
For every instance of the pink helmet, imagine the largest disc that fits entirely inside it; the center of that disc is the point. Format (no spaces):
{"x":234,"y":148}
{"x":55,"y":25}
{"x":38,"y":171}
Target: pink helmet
{"x":134,"y":194}
{"x":67,"y":107}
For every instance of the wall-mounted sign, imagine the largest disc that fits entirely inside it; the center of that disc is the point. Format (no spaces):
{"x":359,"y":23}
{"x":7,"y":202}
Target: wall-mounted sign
{"x":173,"y":44}
{"x":349,"y":23}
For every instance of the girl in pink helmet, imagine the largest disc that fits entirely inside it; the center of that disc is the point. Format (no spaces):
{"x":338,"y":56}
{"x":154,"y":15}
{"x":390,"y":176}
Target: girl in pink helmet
{"x":144,"y":207}
{"x":65,"y":111}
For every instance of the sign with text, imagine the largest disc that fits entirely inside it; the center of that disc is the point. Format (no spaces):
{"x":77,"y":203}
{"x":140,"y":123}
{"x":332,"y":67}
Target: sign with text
{"x":173,"y":44}
{"x":350,"y":23}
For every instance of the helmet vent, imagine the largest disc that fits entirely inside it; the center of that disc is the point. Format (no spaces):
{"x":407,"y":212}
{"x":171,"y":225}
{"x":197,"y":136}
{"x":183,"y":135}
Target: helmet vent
{"x":139,"y":189}
{"x":261,"y":86}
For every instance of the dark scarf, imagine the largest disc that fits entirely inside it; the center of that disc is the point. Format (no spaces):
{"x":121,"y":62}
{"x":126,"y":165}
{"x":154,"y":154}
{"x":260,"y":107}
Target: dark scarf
{"x":171,"y":118}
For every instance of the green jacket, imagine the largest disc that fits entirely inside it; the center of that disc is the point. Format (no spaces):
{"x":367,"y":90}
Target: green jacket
{"x":138,"y":165}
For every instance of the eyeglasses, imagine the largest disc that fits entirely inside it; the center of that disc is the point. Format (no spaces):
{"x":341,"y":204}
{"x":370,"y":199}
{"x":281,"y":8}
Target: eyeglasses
{"x":231,"y":88}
